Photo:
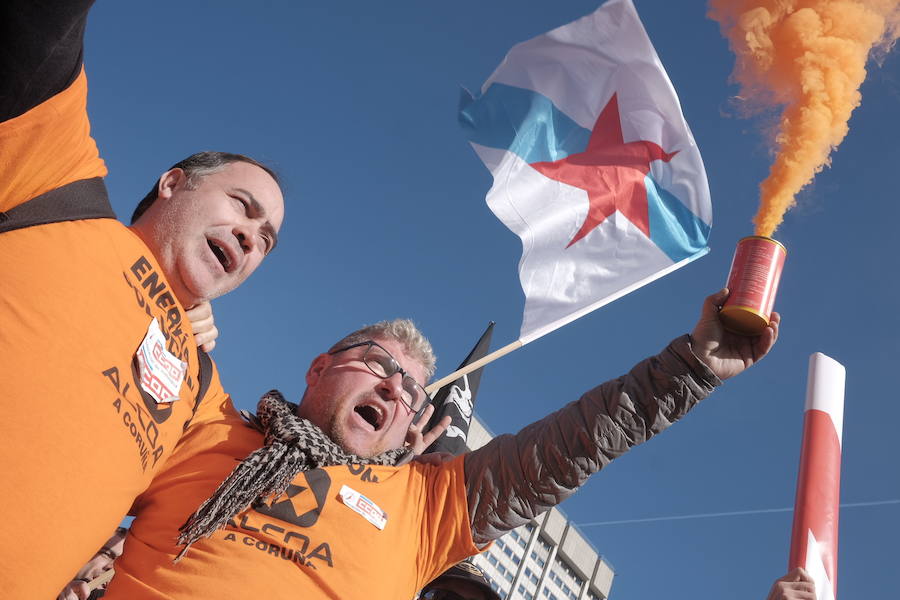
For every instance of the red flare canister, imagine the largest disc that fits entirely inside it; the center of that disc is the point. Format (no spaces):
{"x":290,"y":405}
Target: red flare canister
{"x":753,"y":283}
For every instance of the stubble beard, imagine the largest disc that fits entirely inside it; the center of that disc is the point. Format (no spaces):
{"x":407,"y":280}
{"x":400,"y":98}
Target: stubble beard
{"x":336,"y":433}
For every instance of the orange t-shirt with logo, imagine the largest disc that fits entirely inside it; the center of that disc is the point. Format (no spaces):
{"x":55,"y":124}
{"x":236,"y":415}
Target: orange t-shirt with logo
{"x":79,"y":438}
{"x":342,"y":532}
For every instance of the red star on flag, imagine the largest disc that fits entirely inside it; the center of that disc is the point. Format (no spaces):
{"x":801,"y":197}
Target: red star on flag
{"x":610,"y":171}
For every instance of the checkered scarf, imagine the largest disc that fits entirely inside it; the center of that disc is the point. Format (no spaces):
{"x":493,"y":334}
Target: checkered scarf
{"x":293,"y":444}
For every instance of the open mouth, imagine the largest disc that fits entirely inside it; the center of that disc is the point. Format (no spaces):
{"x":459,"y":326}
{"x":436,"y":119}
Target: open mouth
{"x":220,"y":254}
{"x":372,"y":415}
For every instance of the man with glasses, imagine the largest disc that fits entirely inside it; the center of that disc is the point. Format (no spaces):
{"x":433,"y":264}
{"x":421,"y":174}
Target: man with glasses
{"x":321,"y":500}
{"x":368,"y":425}
{"x":317,"y":490}
{"x":463,"y":581}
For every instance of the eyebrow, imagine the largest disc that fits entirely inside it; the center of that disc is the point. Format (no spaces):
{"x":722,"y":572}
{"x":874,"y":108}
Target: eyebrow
{"x":259,"y":210}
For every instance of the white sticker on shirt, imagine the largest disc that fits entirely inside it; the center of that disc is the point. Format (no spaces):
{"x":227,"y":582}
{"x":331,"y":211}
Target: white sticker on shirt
{"x":363,"y":506}
{"x":161,"y":371}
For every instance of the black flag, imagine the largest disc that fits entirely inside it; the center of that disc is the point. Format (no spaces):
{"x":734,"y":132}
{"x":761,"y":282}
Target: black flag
{"x":457,"y":399}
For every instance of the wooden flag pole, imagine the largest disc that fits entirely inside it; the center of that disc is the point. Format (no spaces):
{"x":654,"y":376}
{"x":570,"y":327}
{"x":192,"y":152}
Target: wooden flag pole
{"x":540,"y":332}
{"x":473,"y":366}
{"x":100,"y":579}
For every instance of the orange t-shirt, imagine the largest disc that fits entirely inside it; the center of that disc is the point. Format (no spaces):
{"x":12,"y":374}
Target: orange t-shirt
{"x":79,"y":440}
{"x":314,"y":542}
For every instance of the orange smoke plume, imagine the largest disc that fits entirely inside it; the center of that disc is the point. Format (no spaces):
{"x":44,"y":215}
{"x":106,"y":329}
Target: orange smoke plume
{"x":808,"y":56}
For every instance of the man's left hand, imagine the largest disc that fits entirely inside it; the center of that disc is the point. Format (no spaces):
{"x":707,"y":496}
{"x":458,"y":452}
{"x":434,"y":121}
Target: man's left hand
{"x":726,"y":353}
{"x":419,"y":440}
{"x":204,"y":326}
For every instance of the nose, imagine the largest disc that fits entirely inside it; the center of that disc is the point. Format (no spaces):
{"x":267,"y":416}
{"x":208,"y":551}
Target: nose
{"x":247,"y":236}
{"x":392,"y":387}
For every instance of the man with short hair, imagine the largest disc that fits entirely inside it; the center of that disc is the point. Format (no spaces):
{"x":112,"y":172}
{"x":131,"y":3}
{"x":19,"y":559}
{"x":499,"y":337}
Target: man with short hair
{"x":210,"y":221}
{"x":462,"y":581}
{"x":321,"y":501}
{"x":99,"y":370}
{"x":79,"y":588}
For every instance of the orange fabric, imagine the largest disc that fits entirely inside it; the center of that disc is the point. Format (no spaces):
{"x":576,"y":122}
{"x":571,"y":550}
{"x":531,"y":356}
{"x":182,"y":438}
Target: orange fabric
{"x":308,"y":544}
{"x":48,"y":147}
{"x":78,"y":442}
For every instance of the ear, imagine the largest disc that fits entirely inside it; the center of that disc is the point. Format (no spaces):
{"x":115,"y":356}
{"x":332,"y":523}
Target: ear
{"x":170,"y":181}
{"x":317,"y":368}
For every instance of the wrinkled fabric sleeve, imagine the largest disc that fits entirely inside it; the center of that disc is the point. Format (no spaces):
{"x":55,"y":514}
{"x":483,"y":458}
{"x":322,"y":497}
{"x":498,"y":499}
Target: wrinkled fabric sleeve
{"x":41,"y":50}
{"x":514,"y":478}
{"x":45,"y":140}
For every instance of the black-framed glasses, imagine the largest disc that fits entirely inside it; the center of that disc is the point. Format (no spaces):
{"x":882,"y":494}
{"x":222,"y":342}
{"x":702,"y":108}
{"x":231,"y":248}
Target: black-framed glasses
{"x":383,"y":365}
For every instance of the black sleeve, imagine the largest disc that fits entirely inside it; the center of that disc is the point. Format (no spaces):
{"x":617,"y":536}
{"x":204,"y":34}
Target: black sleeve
{"x":41,"y":47}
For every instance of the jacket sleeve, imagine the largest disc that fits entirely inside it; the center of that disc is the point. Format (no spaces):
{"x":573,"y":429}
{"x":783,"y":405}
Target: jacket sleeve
{"x":41,"y":48}
{"x":514,"y":478}
{"x":45,"y":133}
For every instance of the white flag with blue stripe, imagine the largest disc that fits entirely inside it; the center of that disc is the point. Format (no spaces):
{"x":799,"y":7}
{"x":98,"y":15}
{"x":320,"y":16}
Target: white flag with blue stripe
{"x":594,"y":166}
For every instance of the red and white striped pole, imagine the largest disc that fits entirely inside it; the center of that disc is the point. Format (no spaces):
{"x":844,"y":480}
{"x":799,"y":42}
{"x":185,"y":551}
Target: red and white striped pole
{"x":814,"y":539}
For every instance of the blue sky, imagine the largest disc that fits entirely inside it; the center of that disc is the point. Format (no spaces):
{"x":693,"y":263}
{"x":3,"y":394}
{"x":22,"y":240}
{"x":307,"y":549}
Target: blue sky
{"x":355,"y":104}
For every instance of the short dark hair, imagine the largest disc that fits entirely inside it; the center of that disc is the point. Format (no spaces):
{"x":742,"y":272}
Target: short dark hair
{"x":468,"y":573}
{"x":195,"y":167}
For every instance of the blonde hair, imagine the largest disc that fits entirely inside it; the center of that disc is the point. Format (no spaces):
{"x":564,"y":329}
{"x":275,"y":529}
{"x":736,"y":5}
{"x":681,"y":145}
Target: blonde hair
{"x":404,"y":331}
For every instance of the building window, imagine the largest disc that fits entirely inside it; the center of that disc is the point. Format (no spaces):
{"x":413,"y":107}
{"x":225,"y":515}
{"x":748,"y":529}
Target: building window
{"x":565,"y":580}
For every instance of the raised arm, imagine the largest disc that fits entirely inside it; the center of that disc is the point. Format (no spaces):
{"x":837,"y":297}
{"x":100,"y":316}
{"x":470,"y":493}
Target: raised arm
{"x":41,"y":47}
{"x":50,"y":169}
{"x":514,"y":478}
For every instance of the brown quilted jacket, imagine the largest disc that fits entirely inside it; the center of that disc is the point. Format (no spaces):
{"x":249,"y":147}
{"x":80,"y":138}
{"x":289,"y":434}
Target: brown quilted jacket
{"x":516,"y":477}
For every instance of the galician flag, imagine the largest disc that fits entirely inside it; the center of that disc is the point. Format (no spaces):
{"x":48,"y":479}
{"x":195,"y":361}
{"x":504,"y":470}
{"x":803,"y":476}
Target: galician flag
{"x":594,"y":166}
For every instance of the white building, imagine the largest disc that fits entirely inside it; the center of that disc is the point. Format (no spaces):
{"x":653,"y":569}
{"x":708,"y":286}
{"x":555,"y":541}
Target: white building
{"x":546,"y":559}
